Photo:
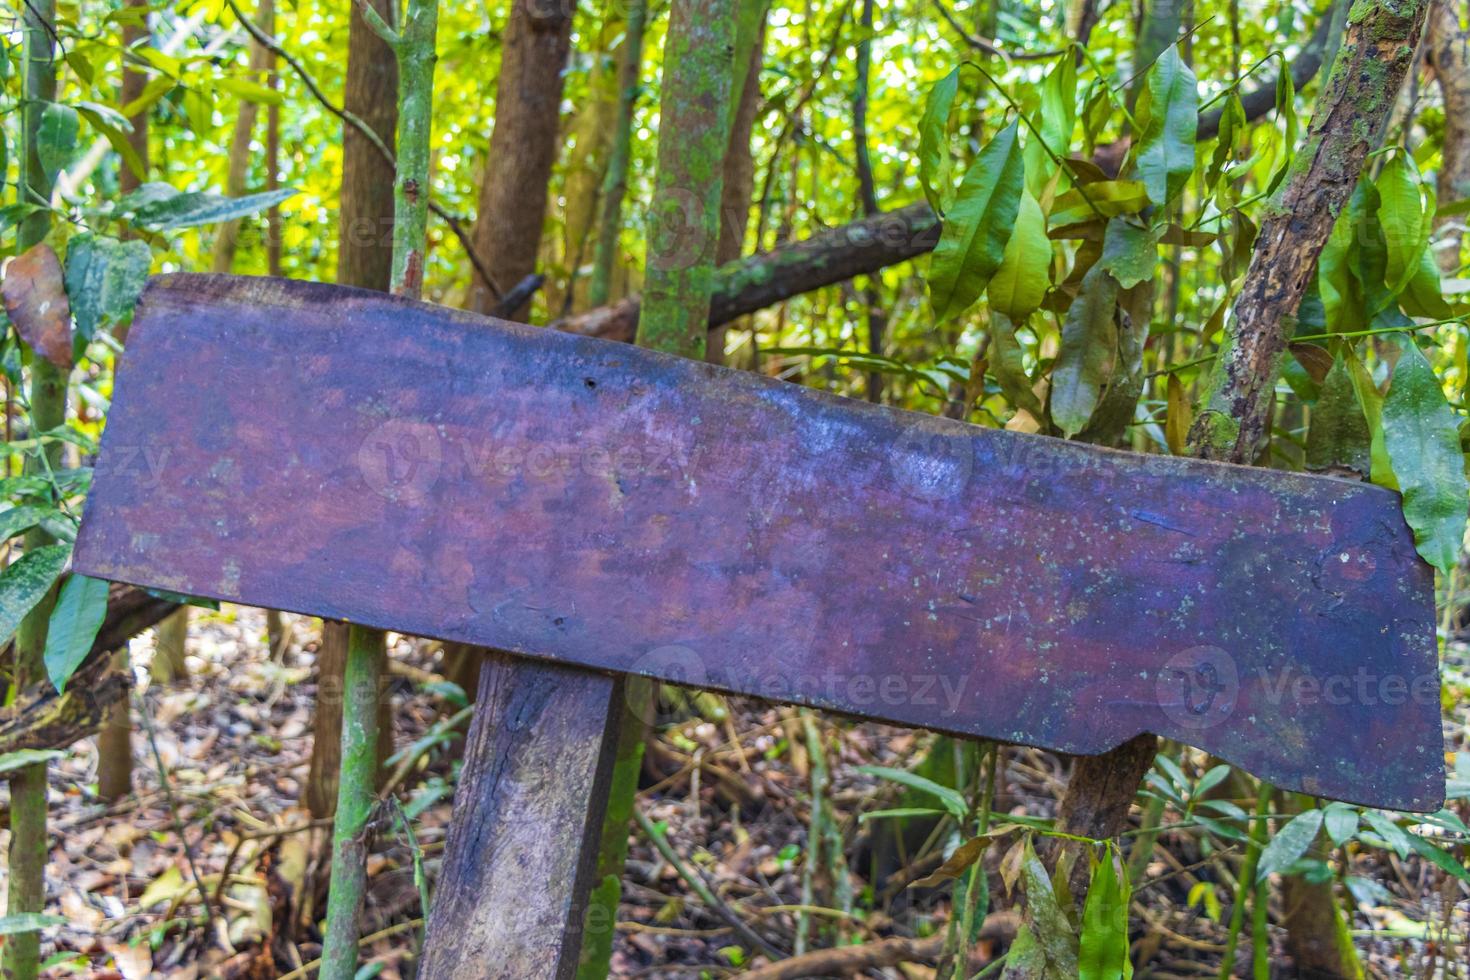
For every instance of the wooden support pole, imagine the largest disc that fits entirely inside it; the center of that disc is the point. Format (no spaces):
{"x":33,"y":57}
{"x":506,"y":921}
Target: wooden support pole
{"x":519,"y":863}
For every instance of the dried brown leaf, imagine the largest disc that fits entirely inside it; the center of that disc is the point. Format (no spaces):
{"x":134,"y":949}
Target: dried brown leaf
{"x":35,"y":299}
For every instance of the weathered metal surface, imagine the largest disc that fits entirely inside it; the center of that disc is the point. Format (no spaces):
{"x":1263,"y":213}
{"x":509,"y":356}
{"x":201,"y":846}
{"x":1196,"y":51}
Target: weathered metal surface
{"x":344,"y":454}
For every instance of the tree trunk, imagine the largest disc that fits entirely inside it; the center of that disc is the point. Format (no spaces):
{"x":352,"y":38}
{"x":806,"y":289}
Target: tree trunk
{"x":591,"y":133}
{"x":701,"y":55}
{"x":872,"y":292}
{"x":738,"y":180}
{"x":364,"y":259}
{"x":684,"y":221}
{"x":615,"y":180}
{"x":170,"y":646}
{"x":1237,"y":416}
{"x":19,"y":959}
{"x":523,"y":145}
{"x":1448,"y":56}
{"x":1375,"y":54}
{"x":228,"y":236}
{"x":115,"y":741}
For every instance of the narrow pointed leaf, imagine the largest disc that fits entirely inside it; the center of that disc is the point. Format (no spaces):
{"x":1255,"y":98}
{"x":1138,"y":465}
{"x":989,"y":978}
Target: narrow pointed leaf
{"x":934,"y":166}
{"x":78,"y":616}
{"x":25,"y":581}
{"x":977,"y":226}
{"x":1166,"y":146}
{"x":1089,"y":351}
{"x":1290,"y":843}
{"x":1024,"y":276}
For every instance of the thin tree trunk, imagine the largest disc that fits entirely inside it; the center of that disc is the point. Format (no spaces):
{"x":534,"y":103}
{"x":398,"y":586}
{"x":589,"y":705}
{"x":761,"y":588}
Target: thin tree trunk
{"x":615,"y":180}
{"x":414,"y":47}
{"x":693,"y":136}
{"x":701,"y":54}
{"x":26,"y":893}
{"x":1448,"y":55}
{"x":738,"y":181}
{"x":1375,"y":54}
{"x":872,"y":292}
{"x":1233,"y":425}
{"x":364,"y":259}
{"x":228,"y":236}
{"x":523,"y":145}
{"x":591,"y":133}
{"x":115,"y":741}
{"x":170,"y":646}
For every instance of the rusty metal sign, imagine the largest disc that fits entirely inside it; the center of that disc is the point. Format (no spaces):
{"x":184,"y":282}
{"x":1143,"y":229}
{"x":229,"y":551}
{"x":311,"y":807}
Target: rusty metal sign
{"x":349,"y":455}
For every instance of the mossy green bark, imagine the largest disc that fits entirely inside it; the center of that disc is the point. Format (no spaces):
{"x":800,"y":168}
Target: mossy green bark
{"x":694,"y":112}
{"x":414,"y":46}
{"x":26,"y":890}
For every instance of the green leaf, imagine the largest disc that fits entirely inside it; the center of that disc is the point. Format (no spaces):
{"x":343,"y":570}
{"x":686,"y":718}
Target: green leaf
{"x":20,"y":758}
{"x":1339,"y":436}
{"x":1401,"y":214}
{"x":113,"y":127}
{"x":1009,"y":366}
{"x":935,"y":170}
{"x":1290,"y":843}
{"x":56,"y":140}
{"x":977,"y":226}
{"x":1130,"y":251}
{"x":250,"y":91}
{"x":1170,"y":111}
{"x":1232,"y":122}
{"x":1395,"y":836}
{"x":1104,"y":947}
{"x":1372,"y":401}
{"x":952,"y":800}
{"x":1024,"y":276}
{"x":1056,"y":939}
{"x":166,"y":209}
{"x":18,"y":520}
{"x":104,"y":277}
{"x":900,"y":813}
{"x":1421,"y":434}
{"x":25,"y":582}
{"x":1438,"y":857}
{"x":1423,"y":296}
{"x":11,"y":925}
{"x":78,"y":616}
{"x":1088,"y":353}
{"x":1341,"y":822}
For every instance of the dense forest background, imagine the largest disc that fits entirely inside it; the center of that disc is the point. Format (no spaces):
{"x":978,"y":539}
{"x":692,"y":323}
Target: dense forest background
{"x":1091,"y":179}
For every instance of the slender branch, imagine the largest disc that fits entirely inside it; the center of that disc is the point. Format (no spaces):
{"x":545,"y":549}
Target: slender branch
{"x":357,"y":122}
{"x":379,"y":26}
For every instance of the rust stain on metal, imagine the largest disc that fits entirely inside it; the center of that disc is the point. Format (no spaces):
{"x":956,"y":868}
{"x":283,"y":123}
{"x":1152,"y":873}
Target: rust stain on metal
{"x":35,"y":299}
{"x":355,"y":456}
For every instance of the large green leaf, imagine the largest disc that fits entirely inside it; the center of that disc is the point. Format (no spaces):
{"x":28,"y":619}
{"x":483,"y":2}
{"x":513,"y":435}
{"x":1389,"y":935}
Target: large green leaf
{"x":1380,"y":470}
{"x":11,"y":925}
{"x":104,"y":277}
{"x":1088,"y":354}
{"x":1051,"y":952}
{"x":1024,"y":276}
{"x":78,"y":616}
{"x":21,"y":758}
{"x":952,"y":800}
{"x":1171,"y":110}
{"x":1130,"y":251}
{"x":161,"y":207}
{"x":1339,"y":438}
{"x":1008,"y":365}
{"x":25,"y":582}
{"x":1401,"y":215}
{"x":56,"y":139}
{"x":934,"y":166}
{"x":1423,"y":295}
{"x":1421,"y":434}
{"x":1290,"y":843}
{"x":977,"y":226}
{"x":1103,"y":953}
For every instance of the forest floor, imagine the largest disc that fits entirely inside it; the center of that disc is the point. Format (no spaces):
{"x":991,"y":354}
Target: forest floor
{"x":729,"y":779}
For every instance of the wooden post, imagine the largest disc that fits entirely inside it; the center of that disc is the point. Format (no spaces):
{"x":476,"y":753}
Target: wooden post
{"x":519,"y":863}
